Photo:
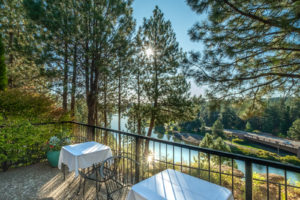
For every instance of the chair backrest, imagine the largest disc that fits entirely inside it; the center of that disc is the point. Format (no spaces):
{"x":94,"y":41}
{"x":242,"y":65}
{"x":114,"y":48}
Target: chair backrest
{"x":121,"y":168}
{"x":118,"y":172}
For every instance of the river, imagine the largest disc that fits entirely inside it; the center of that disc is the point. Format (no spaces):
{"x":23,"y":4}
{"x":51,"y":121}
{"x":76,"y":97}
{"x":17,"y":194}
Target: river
{"x":291,"y":176}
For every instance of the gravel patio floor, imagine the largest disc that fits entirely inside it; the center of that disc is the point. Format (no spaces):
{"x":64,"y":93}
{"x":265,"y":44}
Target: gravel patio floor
{"x":40,"y":181}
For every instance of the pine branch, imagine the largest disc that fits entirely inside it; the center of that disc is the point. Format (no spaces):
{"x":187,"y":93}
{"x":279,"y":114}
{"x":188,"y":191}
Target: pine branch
{"x":255,"y":17}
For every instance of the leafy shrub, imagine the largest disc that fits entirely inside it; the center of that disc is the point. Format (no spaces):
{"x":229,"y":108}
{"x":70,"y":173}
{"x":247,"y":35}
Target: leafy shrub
{"x":290,"y":159}
{"x":20,"y":142}
{"x":23,"y":143}
{"x":237,"y":140}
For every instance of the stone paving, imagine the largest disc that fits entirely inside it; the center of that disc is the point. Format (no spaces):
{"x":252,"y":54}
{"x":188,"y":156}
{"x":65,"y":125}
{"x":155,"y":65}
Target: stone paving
{"x":40,"y":181}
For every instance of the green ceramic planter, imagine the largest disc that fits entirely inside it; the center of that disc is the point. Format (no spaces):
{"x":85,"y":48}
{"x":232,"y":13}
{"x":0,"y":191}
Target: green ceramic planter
{"x":53,"y":157}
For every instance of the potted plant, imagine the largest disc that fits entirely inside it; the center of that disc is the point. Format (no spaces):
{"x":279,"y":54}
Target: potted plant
{"x":53,"y":150}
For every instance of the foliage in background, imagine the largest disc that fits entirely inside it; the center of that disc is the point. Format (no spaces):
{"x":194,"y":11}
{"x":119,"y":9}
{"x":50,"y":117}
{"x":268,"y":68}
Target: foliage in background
{"x":276,"y":117}
{"x":209,"y":141}
{"x":218,"y":129}
{"x":294,"y":131}
{"x":3,"y":77}
{"x":248,"y":126}
{"x":17,"y":104}
{"x":266,"y":155}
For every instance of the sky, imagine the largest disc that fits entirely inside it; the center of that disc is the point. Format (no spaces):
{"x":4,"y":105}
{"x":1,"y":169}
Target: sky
{"x":182,"y":19}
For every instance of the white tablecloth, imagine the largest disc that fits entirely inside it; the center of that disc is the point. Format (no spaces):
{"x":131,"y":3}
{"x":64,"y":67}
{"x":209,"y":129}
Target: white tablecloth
{"x":83,"y":155}
{"x":171,"y":184}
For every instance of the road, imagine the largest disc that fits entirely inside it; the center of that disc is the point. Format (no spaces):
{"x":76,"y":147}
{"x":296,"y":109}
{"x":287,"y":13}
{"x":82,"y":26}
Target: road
{"x":266,"y":138}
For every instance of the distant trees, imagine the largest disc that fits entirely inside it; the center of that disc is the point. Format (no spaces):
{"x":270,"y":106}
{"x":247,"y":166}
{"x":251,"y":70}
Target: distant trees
{"x":203,"y":128}
{"x":3,"y":77}
{"x":275,"y":117}
{"x":217,"y":129}
{"x":252,"y":48}
{"x":294,"y":131}
{"x":248,"y":126}
{"x":217,"y":143}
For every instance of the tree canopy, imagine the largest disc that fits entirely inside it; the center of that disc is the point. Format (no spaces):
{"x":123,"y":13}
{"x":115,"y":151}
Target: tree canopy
{"x":252,"y":48}
{"x":214,"y":143}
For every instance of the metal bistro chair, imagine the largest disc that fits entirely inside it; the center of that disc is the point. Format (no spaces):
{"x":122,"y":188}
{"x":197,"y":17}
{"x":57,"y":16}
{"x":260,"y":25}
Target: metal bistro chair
{"x":72,"y":140}
{"x":117,"y":172}
{"x":92,"y":174}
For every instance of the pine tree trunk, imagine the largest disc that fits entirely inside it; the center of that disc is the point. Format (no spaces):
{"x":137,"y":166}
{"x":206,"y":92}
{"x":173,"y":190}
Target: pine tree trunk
{"x":139,"y":120}
{"x":119,"y":104}
{"x":105,"y":110}
{"x":90,"y":97}
{"x":153,"y":113}
{"x":65,"y":80}
{"x":74,"y":78}
{"x":119,"y":110}
{"x":151,"y":125}
{"x":11,"y":58}
{"x":91,"y":117}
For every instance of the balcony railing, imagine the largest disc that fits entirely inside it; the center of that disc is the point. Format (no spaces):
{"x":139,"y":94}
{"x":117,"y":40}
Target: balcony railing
{"x":236,"y":172}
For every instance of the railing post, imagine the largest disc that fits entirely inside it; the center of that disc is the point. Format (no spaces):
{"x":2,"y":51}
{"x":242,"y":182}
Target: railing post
{"x":137,"y":158}
{"x":248,"y":174}
{"x":91,"y":133}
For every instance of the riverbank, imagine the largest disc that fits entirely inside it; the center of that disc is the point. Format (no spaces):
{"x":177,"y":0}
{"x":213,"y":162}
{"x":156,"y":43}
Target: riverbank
{"x":192,"y":138}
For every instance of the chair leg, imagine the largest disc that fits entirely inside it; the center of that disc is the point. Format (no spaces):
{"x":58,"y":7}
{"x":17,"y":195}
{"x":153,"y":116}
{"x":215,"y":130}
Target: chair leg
{"x":79,"y":187}
{"x":83,"y":189}
{"x":64,"y":170}
{"x":97,"y":195}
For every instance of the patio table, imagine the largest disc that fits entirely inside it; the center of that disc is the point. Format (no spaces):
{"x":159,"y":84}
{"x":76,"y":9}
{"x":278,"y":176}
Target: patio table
{"x":83,"y":155}
{"x":171,"y":184}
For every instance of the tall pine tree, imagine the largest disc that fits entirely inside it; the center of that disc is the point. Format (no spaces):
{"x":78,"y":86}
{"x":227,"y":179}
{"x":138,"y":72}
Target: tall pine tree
{"x":165,"y":87}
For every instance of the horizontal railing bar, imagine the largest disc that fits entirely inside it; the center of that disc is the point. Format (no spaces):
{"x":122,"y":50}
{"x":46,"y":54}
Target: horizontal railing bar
{"x":223,"y":173}
{"x":199,"y":149}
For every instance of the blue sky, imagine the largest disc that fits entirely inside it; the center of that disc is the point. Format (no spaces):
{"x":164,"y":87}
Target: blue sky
{"x":182,"y":19}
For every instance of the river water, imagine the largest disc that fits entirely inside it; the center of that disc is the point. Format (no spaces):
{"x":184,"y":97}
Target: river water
{"x":291,"y":176}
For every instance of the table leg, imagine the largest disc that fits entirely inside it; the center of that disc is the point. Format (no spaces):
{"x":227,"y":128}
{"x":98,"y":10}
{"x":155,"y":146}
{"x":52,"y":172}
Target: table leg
{"x":64,"y":170}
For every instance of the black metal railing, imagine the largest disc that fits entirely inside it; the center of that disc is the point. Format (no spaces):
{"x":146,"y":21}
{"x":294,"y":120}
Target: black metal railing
{"x":234,"y":171}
